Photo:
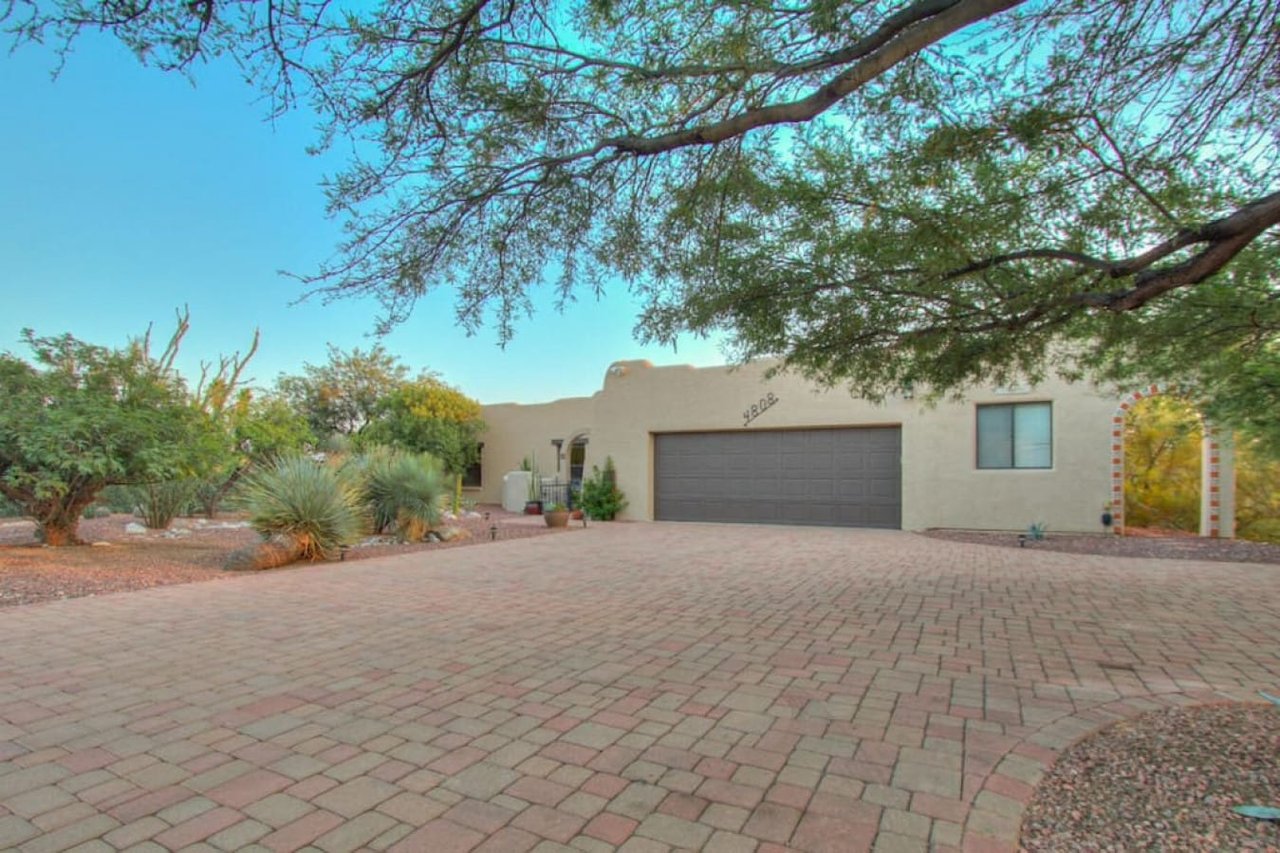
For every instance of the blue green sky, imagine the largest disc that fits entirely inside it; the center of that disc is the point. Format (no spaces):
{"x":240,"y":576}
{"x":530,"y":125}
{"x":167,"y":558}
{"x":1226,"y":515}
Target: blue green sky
{"x":126,"y":193}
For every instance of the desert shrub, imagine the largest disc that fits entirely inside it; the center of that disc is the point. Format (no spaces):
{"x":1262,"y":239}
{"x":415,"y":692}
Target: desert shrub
{"x":402,"y":491}
{"x":1260,"y":530}
{"x":318,"y":506}
{"x":336,"y":444}
{"x":9,"y":509}
{"x":158,"y":504}
{"x":602,"y":500}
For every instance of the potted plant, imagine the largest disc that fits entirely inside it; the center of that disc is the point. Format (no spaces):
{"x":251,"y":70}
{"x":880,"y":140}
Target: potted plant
{"x":533,"y":506}
{"x":575,"y":501}
{"x":556,"y":515}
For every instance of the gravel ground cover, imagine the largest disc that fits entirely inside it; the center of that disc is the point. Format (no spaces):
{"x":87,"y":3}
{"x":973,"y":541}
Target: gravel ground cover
{"x":193,"y":551}
{"x":1166,"y":780}
{"x":1154,"y":544}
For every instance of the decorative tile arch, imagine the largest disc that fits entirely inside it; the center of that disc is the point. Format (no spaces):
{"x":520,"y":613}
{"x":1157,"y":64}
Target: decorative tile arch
{"x":1212,"y":495}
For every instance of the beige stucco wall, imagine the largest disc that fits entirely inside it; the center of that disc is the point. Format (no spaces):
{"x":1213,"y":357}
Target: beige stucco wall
{"x":941,"y":484}
{"x":515,"y":431}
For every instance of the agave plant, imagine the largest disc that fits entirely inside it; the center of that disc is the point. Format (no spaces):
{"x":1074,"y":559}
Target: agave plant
{"x":404,"y":491}
{"x":315,"y":505}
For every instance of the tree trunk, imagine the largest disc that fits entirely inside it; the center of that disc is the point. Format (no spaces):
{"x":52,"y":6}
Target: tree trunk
{"x":214,"y":501}
{"x":60,"y":531}
{"x":59,"y":521}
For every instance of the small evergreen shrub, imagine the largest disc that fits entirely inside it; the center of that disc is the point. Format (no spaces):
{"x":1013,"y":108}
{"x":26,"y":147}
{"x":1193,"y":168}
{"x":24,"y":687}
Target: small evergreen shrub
{"x":602,"y":500}
{"x":317,"y":506}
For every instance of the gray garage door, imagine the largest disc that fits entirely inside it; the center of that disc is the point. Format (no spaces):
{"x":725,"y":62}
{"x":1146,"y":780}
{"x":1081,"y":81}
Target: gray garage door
{"x":846,"y":477}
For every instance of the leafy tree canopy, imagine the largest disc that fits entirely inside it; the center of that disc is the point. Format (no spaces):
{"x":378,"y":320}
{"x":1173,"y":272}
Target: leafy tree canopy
{"x":341,"y":397}
{"x":430,"y":416}
{"x":255,"y":431}
{"x":81,"y":417}
{"x":925,"y":193}
{"x":269,"y":428}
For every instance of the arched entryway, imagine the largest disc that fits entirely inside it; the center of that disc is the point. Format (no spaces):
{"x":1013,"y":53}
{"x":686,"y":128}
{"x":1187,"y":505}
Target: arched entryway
{"x":1217,"y":474}
{"x":577,"y":460}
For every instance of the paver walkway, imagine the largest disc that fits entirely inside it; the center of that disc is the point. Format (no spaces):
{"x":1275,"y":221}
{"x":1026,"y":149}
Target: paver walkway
{"x":639,"y":687}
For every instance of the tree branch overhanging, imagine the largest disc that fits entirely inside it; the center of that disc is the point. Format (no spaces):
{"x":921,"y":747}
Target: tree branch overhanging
{"x":901,"y":36}
{"x":1223,"y":239}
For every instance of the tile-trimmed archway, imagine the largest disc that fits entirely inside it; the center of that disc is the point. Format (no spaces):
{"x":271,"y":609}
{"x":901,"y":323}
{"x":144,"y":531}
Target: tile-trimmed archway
{"x":1210,"y":477}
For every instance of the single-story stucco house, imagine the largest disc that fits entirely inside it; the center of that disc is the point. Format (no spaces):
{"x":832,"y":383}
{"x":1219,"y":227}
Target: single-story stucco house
{"x":729,"y":444}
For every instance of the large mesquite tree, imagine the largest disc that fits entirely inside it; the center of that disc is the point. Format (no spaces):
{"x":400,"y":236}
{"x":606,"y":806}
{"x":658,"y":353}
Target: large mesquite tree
{"x":884,"y":194}
{"x":79,"y":418}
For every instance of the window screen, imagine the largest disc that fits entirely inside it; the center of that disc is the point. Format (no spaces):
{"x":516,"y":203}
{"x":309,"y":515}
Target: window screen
{"x":1017,"y":435}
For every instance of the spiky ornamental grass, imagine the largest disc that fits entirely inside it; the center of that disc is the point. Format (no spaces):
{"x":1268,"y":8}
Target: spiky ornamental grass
{"x":317,"y":506}
{"x":402,"y":490}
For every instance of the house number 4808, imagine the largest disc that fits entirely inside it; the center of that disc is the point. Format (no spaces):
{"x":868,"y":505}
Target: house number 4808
{"x":757,"y":409}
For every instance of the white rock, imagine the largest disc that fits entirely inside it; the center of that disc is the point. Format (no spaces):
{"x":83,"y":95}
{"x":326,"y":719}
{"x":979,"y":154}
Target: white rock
{"x":134,"y":528}
{"x":375,"y":541}
{"x":101,"y":544}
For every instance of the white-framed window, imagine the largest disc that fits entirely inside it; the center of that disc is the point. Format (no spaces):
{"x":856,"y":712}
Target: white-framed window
{"x":1015,"y":435}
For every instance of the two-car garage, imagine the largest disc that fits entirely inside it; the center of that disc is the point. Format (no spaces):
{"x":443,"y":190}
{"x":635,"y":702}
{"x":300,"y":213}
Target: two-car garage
{"x":841,"y":476}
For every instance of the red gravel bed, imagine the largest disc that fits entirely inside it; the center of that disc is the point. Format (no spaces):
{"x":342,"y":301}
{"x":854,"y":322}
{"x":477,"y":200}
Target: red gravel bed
{"x":1138,"y":544}
{"x":31,"y":573}
{"x":1166,"y":780}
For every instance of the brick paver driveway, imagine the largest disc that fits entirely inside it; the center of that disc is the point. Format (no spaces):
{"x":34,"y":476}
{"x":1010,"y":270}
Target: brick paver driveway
{"x":646,"y":687}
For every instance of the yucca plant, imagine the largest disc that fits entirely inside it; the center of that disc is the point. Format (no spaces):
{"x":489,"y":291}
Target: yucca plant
{"x":403,"y":491}
{"x":316,"y":506}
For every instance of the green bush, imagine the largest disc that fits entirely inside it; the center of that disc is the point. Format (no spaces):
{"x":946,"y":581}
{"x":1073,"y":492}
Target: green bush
{"x":1260,"y":530}
{"x":119,"y":499}
{"x":160,"y":503}
{"x":317,"y":506}
{"x":9,"y":509}
{"x":404,"y":491}
{"x":602,"y":500}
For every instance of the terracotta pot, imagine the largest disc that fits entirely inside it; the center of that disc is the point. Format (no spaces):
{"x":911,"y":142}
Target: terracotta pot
{"x":556,"y":517}
{"x":533,"y":508}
